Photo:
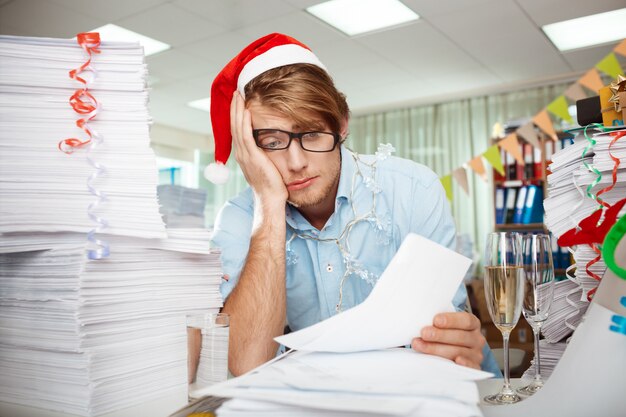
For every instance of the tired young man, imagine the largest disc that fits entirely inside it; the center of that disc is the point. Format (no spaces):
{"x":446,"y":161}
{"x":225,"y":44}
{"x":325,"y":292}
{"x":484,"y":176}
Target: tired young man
{"x":312,"y":234}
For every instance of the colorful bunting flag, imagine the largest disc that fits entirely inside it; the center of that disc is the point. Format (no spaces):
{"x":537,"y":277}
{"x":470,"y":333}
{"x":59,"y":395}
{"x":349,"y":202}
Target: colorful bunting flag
{"x":460,"y":175}
{"x":591,"y":80}
{"x":478,"y":167}
{"x":447,"y":185}
{"x":558,"y":107}
{"x":492,"y":155}
{"x":543,"y":122}
{"x":610,"y":65}
{"x":575,"y":92}
{"x":620,"y":48}
{"x":528,"y":133}
{"x":511,"y":145}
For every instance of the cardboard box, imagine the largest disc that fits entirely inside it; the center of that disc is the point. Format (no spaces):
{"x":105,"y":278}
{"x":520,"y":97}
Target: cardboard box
{"x":609,"y":116}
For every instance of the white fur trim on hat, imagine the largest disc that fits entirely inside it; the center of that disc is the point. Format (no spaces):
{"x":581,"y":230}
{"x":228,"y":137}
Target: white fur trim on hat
{"x":276,"y":57}
{"x":217,"y":173}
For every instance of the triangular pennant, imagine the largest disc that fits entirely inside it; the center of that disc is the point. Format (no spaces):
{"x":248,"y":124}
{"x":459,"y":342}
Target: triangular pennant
{"x":543,"y":122}
{"x":575,"y":92}
{"x":610,"y":65}
{"x":492,"y":155}
{"x":460,"y":175}
{"x":528,"y":133}
{"x":447,"y":185}
{"x":511,"y":145}
{"x":558,"y":107}
{"x":477,"y":165}
{"x":591,"y":80}
{"x":620,"y":48}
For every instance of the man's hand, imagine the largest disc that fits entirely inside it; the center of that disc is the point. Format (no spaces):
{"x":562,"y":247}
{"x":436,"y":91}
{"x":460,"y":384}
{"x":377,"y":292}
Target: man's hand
{"x":260,"y":172}
{"x":455,"y":336}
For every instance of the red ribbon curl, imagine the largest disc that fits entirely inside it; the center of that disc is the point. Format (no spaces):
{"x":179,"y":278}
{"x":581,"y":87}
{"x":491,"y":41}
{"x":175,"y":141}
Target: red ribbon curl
{"x":82,"y":101}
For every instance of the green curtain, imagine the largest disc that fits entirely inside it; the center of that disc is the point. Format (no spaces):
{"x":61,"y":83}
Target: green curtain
{"x":444,"y":136}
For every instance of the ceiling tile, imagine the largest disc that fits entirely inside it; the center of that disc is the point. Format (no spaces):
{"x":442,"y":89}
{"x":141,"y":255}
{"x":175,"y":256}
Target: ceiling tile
{"x":585,"y":59}
{"x":43,"y":18}
{"x":543,"y":12}
{"x":179,"y":65}
{"x":301,"y":25}
{"x":429,"y":8}
{"x":337,"y":55}
{"x":109,"y":10}
{"x":235,"y":14}
{"x":362,"y":76}
{"x":511,"y":46}
{"x":421,"y":50}
{"x":219,"y":49}
{"x":170,"y":24}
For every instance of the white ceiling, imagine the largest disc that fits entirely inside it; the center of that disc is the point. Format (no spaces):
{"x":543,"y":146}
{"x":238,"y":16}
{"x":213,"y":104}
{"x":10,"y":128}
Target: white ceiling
{"x":458,"y":48}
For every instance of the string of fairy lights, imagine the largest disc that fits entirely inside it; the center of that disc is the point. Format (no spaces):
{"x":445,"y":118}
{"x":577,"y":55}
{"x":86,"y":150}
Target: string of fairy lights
{"x":381,"y":223}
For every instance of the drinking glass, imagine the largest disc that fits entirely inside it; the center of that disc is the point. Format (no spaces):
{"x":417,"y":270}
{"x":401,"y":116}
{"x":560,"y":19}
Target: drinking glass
{"x":539,"y":279}
{"x":504,"y":290}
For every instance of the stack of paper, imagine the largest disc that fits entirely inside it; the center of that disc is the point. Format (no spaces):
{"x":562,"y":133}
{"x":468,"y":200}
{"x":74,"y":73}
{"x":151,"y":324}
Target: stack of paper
{"x":83,"y":336}
{"x":182,"y":206}
{"x":566,"y":311}
{"x":116,"y":324}
{"x":35,"y":116}
{"x":388,"y":382}
{"x":549,"y":354}
{"x":567,"y":204}
{"x":348,"y":365}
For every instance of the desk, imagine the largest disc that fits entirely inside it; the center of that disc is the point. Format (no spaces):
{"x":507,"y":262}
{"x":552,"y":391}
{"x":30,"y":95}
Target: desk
{"x":163,"y":406}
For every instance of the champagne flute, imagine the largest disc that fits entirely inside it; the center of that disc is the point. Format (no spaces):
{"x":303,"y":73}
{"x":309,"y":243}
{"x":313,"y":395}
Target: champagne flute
{"x":539,"y":278}
{"x":504,"y":290}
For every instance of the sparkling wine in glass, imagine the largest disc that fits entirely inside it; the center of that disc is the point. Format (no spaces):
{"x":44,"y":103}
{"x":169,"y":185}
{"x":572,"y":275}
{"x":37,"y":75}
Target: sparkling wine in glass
{"x":539,"y":278}
{"x":504,"y":291}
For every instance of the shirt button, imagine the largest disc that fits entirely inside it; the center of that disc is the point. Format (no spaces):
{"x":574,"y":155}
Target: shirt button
{"x":329,"y":268}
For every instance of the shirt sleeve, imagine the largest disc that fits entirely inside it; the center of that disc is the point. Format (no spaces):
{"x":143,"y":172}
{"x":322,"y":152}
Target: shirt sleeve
{"x":231,"y":234}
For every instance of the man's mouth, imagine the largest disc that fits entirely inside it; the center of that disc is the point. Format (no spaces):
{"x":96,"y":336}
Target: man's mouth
{"x":300,"y":184}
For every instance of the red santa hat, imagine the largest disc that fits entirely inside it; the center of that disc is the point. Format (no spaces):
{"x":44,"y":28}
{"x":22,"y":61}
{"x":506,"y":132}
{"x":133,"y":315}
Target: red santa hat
{"x":271,"y":51}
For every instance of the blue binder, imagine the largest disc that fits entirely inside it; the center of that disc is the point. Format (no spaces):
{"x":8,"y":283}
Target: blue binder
{"x":533,"y":211}
{"x":518,"y":216}
{"x":500,"y":207}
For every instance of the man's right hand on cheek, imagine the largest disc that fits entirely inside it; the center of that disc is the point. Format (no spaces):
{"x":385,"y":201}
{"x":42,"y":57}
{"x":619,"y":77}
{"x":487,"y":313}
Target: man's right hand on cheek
{"x":259,"y":171}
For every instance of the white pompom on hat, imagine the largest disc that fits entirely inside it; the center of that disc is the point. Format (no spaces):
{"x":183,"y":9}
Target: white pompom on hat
{"x":271,"y":51}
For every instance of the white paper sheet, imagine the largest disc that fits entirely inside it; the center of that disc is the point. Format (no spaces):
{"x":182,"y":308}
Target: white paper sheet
{"x":419,"y":282}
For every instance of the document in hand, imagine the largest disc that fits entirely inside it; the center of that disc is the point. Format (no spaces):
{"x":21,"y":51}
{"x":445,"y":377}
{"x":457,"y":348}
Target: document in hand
{"x":419,"y":282}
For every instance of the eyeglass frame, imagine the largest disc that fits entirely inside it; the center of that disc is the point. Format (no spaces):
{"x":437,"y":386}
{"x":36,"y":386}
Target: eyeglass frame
{"x":295,"y":135}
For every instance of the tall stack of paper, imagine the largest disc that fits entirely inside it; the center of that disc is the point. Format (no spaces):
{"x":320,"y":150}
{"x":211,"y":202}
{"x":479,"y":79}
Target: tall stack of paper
{"x":77,"y":335}
{"x":568,"y":203}
{"x":105,"y":334}
{"x":182,"y":206}
{"x":44,"y":189}
{"x":550,"y":354}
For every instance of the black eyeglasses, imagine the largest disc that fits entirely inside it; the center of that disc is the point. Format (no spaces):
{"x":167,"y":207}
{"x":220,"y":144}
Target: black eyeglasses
{"x":275,"y":139}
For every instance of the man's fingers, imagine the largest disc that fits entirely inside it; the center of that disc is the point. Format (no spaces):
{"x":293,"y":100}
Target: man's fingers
{"x":459,"y":354}
{"x":470,"y":339}
{"x":457,"y":320}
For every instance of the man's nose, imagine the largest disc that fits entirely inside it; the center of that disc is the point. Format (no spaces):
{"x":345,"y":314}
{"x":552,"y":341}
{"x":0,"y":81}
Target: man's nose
{"x":296,"y":156}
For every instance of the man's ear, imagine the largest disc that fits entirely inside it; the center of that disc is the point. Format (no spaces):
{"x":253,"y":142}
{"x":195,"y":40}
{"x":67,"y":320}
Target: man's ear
{"x":344,"y":129}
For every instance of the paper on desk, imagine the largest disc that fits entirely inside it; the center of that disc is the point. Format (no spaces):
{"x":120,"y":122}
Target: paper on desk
{"x":419,"y":282}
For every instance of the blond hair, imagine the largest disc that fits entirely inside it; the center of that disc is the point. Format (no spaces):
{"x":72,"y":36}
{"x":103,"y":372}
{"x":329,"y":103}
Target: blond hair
{"x":304,"y":93}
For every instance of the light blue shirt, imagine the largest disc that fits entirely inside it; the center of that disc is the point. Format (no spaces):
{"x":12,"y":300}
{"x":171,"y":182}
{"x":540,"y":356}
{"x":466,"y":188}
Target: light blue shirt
{"x":408,"y":198}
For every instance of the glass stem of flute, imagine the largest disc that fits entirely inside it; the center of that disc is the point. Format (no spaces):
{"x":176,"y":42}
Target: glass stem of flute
{"x":505,"y":338}
{"x":536,"y":333}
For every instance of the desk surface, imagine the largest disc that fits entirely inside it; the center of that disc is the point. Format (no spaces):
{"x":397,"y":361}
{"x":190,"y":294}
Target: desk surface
{"x":163,"y":406}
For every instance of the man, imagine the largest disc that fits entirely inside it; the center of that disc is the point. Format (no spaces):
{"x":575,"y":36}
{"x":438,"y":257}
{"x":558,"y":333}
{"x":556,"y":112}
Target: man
{"x":318,"y":224}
